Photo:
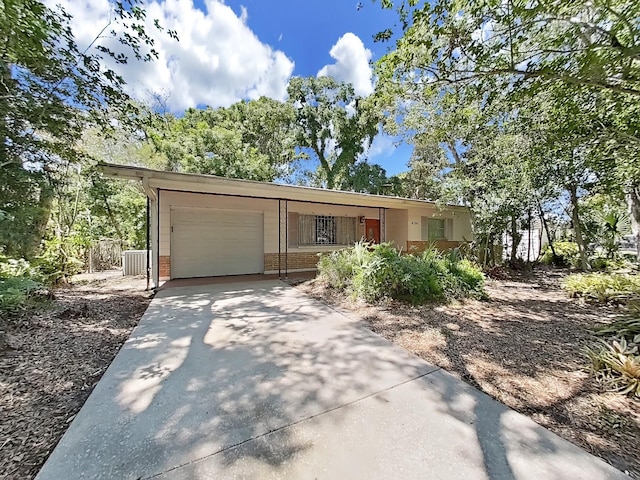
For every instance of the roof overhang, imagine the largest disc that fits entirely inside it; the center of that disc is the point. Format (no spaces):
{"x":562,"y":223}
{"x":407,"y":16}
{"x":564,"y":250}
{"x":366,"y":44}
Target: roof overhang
{"x":197,"y":183}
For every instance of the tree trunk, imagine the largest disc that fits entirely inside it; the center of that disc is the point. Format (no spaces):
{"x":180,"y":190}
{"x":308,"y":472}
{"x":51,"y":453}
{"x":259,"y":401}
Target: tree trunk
{"x":30,"y":247}
{"x":529,"y":235}
{"x":577,"y":229}
{"x":633,"y":203}
{"x":516,"y":237}
{"x":331,"y":180}
{"x":546,"y":229}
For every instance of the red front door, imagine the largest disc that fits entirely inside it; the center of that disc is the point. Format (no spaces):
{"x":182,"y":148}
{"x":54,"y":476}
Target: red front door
{"x":372,"y":230}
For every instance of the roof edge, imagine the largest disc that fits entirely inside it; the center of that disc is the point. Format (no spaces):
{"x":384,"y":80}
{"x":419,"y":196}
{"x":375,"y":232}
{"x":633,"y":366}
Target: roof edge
{"x":140,"y":173}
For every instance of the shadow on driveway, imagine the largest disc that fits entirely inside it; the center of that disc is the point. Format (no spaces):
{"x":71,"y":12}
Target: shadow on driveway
{"x":257,"y":380}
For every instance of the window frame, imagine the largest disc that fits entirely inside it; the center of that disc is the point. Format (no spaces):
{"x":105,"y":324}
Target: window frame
{"x":426,"y":229}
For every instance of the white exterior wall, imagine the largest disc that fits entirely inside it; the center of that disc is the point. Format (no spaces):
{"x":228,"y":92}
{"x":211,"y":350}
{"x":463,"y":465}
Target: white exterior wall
{"x":268,"y":207}
{"x":402,"y":225}
{"x":397,"y":227}
{"x":461,"y":222}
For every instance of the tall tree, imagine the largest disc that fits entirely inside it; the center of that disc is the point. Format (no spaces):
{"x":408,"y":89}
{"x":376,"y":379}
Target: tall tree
{"x":334,"y":125}
{"x":505,"y":59}
{"x":365,"y":177}
{"x":51,"y":89}
{"x":253,"y":140}
{"x":518,"y":44}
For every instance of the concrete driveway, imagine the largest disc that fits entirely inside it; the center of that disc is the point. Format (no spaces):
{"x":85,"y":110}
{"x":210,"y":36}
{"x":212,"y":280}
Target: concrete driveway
{"x":257,"y":380}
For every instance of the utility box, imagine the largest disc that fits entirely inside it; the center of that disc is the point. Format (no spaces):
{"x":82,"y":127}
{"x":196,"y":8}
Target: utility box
{"x":134,"y":262}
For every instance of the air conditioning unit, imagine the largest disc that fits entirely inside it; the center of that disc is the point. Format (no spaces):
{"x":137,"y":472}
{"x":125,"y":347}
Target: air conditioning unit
{"x":134,"y":262}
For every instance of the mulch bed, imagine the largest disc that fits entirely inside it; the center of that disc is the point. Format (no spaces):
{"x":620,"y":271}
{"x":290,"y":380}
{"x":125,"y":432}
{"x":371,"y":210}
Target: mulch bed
{"x":54,"y":356}
{"x":524,"y":348}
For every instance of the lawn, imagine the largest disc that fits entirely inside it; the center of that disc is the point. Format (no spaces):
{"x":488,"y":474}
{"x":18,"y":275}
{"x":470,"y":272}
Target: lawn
{"x":523,"y":347}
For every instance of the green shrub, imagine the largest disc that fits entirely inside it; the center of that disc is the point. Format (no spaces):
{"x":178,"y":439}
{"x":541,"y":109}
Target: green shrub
{"x":614,"y":358}
{"x":566,"y":254}
{"x":603,"y":287}
{"x":59,"y":260}
{"x":15,"y":293}
{"x":616,"y":364}
{"x":19,"y":281}
{"x":11,"y":267}
{"x":609,"y":264}
{"x":625,"y":327}
{"x":373,"y":272}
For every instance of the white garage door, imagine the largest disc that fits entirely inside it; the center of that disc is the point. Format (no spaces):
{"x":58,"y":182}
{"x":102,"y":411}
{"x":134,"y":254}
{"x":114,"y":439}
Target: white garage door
{"x":207,"y":242}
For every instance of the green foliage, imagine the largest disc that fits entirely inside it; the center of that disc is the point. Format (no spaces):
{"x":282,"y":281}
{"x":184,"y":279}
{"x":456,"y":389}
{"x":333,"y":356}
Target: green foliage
{"x":11,"y":267}
{"x":326,"y":129}
{"x":516,"y":108}
{"x":603,"y":287}
{"x":18,"y":283}
{"x":373,"y":272}
{"x":608,"y":264}
{"x":625,"y":327}
{"x":614,"y":358}
{"x":518,"y":45}
{"x":60,"y":259}
{"x":364,"y":177}
{"x":51,"y":90}
{"x":252,"y":140}
{"x":566,"y":254}
{"x":617,"y":364}
{"x":15,"y":293}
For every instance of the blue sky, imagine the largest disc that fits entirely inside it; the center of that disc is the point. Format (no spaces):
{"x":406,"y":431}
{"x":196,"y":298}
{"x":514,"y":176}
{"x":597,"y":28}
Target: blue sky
{"x":242,"y":49}
{"x":307,"y":29}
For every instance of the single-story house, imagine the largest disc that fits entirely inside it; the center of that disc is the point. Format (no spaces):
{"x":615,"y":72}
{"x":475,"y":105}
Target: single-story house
{"x":203,"y":225}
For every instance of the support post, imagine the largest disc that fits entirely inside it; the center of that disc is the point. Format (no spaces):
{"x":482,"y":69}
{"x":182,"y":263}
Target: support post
{"x":286,"y":239}
{"x":279,"y":239}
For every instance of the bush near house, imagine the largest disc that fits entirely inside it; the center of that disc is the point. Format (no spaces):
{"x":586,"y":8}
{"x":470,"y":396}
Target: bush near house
{"x":373,"y":272}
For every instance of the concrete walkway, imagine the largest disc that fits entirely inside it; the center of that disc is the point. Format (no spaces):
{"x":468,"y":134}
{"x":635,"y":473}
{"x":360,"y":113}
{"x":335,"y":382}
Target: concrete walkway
{"x":257,"y":380}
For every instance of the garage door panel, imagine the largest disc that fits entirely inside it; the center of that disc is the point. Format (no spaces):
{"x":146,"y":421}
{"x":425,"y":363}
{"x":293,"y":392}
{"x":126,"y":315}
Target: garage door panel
{"x":212,"y":243}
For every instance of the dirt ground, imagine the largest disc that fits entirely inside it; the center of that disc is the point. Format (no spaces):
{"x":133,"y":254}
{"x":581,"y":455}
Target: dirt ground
{"x":522,"y":347}
{"x":55,"y":356}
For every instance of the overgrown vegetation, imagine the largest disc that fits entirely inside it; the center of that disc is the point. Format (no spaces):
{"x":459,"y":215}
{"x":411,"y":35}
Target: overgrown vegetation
{"x":20,"y":283}
{"x":614,"y":358}
{"x":373,"y":272}
{"x":603,"y":287}
{"x":615,"y":361}
{"x":564,"y":254}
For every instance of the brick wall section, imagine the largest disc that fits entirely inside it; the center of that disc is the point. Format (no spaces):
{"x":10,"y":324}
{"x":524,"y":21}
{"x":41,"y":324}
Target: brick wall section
{"x":165,"y":266}
{"x":297,"y":260}
{"x":421,"y":246}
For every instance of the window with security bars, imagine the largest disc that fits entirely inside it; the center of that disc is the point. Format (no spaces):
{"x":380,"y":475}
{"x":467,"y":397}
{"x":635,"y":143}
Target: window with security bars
{"x":326,"y":230}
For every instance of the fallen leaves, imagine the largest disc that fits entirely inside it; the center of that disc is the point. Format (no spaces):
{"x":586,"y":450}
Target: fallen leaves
{"x":56,"y":355}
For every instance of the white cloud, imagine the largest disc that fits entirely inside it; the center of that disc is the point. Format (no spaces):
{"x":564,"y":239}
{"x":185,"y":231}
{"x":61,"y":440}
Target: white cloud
{"x":352,"y":64}
{"x":383,"y":146}
{"x":218,"y":60}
